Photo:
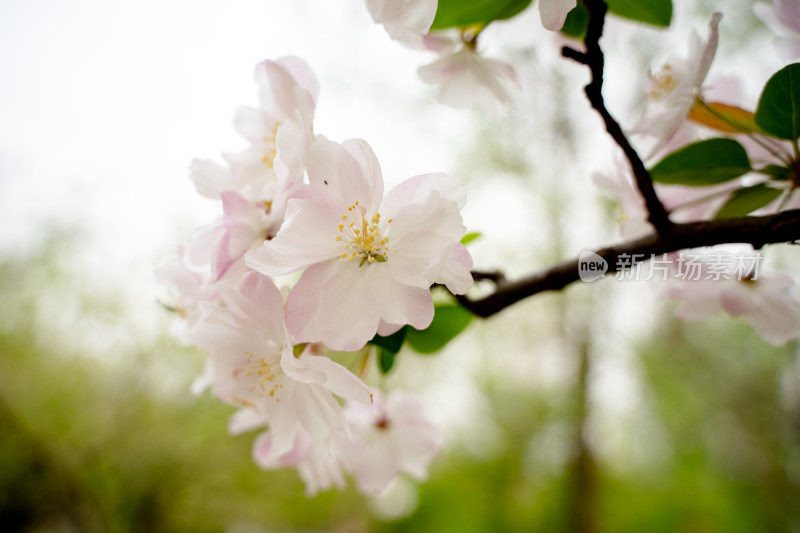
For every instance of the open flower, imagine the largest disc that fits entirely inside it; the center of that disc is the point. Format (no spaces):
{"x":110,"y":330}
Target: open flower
{"x":253,"y":365}
{"x":463,"y":76}
{"x":404,"y":20}
{"x":389,"y":437}
{"x":279,"y":132}
{"x":369,"y":261}
{"x":783,"y":18}
{"x":312,"y":459}
{"x":187,"y":288}
{"x":765,"y":302}
{"x":672,"y":92}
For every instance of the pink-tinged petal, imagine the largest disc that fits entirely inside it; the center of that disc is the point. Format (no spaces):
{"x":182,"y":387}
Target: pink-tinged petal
{"x":255,"y":125}
{"x":210,"y":178}
{"x":334,"y":169}
{"x":466,"y":77}
{"x":554,"y":12}
{"x":266,"y":303}
{"x":370,"y":169}
{"x":436,"y":215}
{"x":738,"y":300}
{"x":338,"y":379}
{"x":418,"y":190}
{"x":332,"y":304}
{"x":420,"y":258}
{"x":456,"y":273}
{"x":302,"y":73}
{"x":700,"y":301}
{"x":299,"y":370}
{"x":709,"y":51}
{"x":264,"y":456}
{"x":307,"y":236}
{"x":788,"y":12}
{"x":232,"y":246}
{"x":244,"y":420}
{"x":202,"y":246}
{"x":320,"y":471}
{"x":442,"y":43}
{"x":399,"y":303}
{"x":385,"y":329}
{"x":319,"y":413}
{"x":283,"y":427}
{"x":277,"y":91}
{"x":349,"y":312}
{"x":777,"y":320}
{"x":292,"y":143}
{"x":404,"y":20}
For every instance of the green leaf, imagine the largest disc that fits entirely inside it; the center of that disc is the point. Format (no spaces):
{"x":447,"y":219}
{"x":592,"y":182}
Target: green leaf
{"x":385,"y":360}
{"x":388,"y":347}
{"x":463,"y":13}
{"x":392,"y":342}
{"x":576,"y":22}
{"x":703,"y":163}
{"x":469,"y":237}
{"x":778,"y":111}
{"x":776,"y":171}
{"x":448,"y":322}
{"x":655,"y":12}
{"x":746,"y":200}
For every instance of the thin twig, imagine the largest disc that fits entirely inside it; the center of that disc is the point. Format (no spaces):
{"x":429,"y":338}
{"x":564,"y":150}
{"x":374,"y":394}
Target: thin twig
{"x":595,"y":60}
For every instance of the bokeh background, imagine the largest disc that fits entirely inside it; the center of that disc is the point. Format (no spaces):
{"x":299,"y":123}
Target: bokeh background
{"x":591,"y":410}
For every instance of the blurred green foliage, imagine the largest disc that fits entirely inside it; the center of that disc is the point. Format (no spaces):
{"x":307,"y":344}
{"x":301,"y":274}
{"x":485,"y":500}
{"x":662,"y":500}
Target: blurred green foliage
{"x":87,"y":445}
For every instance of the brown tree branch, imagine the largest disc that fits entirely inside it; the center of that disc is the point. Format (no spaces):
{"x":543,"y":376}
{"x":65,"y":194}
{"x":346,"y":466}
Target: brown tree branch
{"x":757,"y":231}
{"x":595,"y":60}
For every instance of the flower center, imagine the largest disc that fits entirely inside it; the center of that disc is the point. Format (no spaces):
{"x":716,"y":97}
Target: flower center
{"x":264,"y":378}
{"x":662,"y":84}
{"x":271,"y":152}
{"x":362,"y":236}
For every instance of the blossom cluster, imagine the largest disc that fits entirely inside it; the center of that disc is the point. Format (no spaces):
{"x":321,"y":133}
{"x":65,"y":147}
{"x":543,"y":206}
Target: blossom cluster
{"x":681,"y":112}
{"x":294,"y":201}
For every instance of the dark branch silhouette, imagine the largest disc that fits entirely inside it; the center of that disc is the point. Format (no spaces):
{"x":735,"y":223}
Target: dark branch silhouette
{"x":595,"y":60}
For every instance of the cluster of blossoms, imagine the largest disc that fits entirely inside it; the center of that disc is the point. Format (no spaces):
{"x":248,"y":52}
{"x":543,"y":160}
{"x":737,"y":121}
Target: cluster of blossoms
{"x":297,"y":201}
{"x":680,"y":109}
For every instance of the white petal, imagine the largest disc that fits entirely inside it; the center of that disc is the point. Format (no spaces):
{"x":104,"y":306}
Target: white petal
{"x":400,"y":303}
{"x":332,"y":303}
{"x":456,"y":273}
{"x":337,"y":169}
{"x":307,"y":236}
{"x":210,"y":178}
{"x":554,"y":12}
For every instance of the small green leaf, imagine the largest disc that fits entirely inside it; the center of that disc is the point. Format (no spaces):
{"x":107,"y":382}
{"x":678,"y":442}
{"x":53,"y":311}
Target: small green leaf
{"x":385,"y":360}
{"x":778,"y":111}
{"x":469,"y":237}
{"x":746,"y":200}
{"x":448,"y":322}
{"x":655,"y":12}
{"x":463,"y":13}
{"x":392,"y":342}
{"x":576,"y":22}
{"x":776,"y":171}
{"x":703,"y":163}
